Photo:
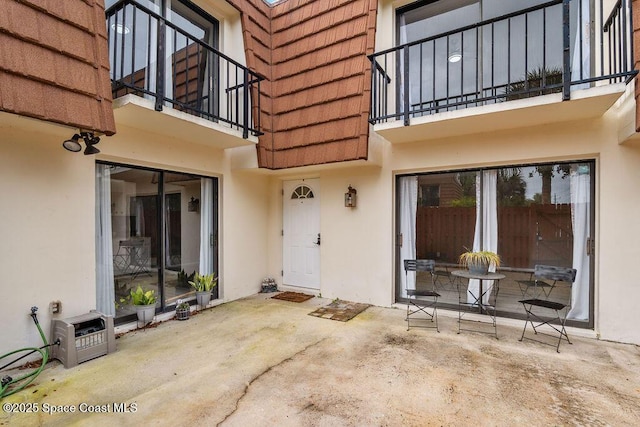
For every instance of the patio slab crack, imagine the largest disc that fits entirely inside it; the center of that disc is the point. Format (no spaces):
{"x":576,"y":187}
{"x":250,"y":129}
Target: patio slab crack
{"x":261,"y":374}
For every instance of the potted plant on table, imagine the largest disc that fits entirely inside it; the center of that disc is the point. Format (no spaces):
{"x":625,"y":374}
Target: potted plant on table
{"x":478,"y":262}
{"x":203,"y":284}
{"x":145,"y":303}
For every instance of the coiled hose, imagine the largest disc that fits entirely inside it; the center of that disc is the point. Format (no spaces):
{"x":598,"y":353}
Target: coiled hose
{"x":13,"y":385}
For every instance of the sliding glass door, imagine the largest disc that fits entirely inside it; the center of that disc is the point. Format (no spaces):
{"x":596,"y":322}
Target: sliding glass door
{"x":164,"y":49}
{"x":154,"y":229}
{"x":535,"y":214}
{"x":466,"y":53}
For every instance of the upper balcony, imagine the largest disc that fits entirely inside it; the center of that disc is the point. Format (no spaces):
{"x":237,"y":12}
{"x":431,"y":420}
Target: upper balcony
{"x":170,"y":65}
{"x":555,"y":61}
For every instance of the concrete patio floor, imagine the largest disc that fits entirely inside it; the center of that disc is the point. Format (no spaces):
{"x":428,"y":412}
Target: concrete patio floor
{"x":260,"y":361}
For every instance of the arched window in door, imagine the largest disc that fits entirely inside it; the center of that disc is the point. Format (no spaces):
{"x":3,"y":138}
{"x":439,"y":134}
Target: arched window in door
{"x":302,"y":192}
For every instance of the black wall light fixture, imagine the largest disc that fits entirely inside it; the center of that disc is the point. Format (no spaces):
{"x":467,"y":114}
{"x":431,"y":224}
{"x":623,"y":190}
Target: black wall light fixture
{"x":350,"y":198}
{"x":90,"y":140}
{"x":193,"y":205}
{"x":72,"y":144}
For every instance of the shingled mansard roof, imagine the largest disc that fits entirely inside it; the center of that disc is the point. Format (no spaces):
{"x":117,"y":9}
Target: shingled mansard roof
{"x":317,"y":90}
{"x":54,"y":64}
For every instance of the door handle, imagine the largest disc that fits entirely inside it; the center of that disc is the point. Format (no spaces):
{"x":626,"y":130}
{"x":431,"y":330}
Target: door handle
{"x":317,"y":242}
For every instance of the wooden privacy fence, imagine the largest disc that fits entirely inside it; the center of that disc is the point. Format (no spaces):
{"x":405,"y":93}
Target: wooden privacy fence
{"x":527,"y":235}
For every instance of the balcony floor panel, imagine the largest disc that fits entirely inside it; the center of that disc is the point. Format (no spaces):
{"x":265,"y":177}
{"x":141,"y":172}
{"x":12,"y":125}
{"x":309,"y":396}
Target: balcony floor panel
{"x":540,"y":110}
{"x":136,"y":112}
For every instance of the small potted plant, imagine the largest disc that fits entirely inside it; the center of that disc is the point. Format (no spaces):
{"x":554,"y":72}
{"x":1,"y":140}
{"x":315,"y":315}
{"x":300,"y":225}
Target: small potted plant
{"x":479,"y":262}
{"x":539,"y":81}
{"x":182,"y":310}
{"x":203,"y":285}
{"x":144,"y":302}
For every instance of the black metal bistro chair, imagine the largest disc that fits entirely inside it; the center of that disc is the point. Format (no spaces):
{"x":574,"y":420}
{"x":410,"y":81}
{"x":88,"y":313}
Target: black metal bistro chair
{"x":536,"y":283}
{"x":422,"y":304}
{"x":444,"y":280}
{"x":540,"y":307}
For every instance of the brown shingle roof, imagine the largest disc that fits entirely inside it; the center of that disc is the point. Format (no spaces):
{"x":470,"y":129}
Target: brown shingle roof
{"x":313,"y":55}
{"x":54,"y":64}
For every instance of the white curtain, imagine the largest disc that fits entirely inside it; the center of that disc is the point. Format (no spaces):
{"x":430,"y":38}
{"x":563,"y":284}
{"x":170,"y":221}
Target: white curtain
{"x":140,"y":231}
{"x":167,"y":232}
{"x":206,"y":226}
{"x":486,"y":232}
{"x":105,"y":290}
{"x":580,"y":220}
{"x":408,"y":193}
{"x":581,"y":64}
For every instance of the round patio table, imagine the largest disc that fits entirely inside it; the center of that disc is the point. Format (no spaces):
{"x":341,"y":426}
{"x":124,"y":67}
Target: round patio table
{"x":464,"y":306}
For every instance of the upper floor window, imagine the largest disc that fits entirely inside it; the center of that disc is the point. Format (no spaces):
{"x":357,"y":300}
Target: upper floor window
{"x":167,"y":51}
{"x":482,"y":61}
{"x":454,"y":54}
{"x":451,"y":14}
{"x":194,"y":21}
{"x":135,"y":40}
{"x":184,"y":14}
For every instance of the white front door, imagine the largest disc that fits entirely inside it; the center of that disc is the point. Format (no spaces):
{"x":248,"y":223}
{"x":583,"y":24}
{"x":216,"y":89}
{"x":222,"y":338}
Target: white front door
{"x":301,"y":233}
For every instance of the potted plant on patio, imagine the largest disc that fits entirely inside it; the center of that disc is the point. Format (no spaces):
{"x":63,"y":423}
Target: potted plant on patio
{"x":203,"y":284}
{"x":144,"y":302}
{"x":182,"y":310}
{"x":479,"y":262}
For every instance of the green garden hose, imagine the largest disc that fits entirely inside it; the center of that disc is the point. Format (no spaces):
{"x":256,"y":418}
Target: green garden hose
{"x":13,"y":385}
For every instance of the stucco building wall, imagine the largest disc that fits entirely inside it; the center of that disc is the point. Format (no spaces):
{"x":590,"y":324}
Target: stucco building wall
{"x":48,"y":194}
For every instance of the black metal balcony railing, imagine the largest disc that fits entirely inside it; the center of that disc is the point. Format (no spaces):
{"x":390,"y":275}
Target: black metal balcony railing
{"x":153,"y":58}
{"x":539,"y":50}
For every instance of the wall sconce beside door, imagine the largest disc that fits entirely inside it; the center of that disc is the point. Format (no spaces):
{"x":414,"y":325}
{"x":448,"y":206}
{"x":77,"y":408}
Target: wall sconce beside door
{"x":350,"y":198}
{"x":193,"y":205}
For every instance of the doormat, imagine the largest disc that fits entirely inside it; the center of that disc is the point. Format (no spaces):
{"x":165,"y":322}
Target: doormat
{"x":340,"y":310}
{"x":293,"y":296}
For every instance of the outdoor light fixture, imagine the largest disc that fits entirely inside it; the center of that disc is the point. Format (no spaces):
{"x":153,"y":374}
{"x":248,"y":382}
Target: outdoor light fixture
{"x":90,"y":140}
{"x":120,"y":29}
{"x":350,"y":198}
{"x":73,"y":144}
{"x":193,"y":205}
{"x":455,"y":57}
